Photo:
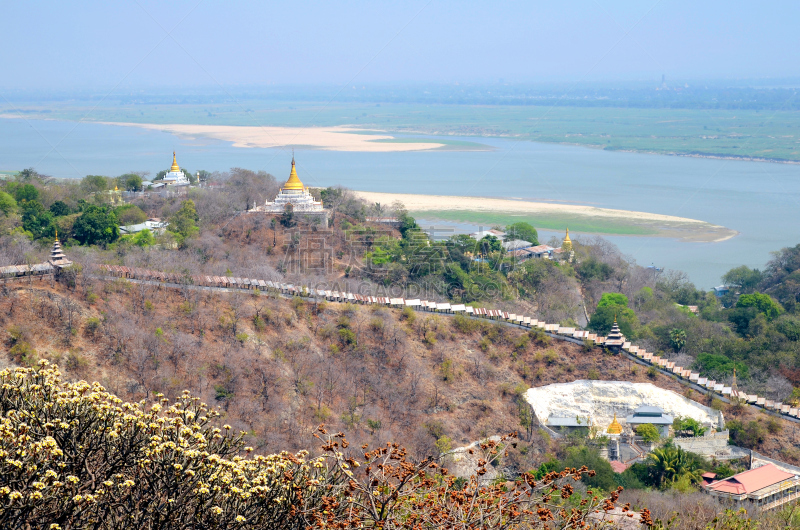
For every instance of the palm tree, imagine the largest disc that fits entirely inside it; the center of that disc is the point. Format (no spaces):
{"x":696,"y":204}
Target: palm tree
{"x":670,"y":464}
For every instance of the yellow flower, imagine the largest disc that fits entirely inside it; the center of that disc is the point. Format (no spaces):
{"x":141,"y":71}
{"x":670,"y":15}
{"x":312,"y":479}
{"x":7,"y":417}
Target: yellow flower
{"x":240,"y":519}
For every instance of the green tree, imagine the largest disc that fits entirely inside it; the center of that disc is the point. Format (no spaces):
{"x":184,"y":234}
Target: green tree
{"x":670,"y":464}
{"x":592,"y":269}
{"x":36,"y":220}
{"x":690,"y":425}
{"x":184,"y":222}
{"x":524,"y":231}
{"x":97,"y":225}
{"x":762,"y":302}
{"x":603,"y":319}
{"x":489,"y":244}
{"x":60,"y":209}
{"x":746,"y":278}
{"x":129,"y":214}
{"x":26,"y":193}
{"x":287,"y":217}
{"x":590,"y":457}
{"x":94,"y":183}
{"x":648,"y":432}
{"x":144,"y":238}
{"x":677,"y":339}
{"x":613,"y":299}
{"x":130,"y":182}
{"x":7,"y":203}
{"x":719,"y":366}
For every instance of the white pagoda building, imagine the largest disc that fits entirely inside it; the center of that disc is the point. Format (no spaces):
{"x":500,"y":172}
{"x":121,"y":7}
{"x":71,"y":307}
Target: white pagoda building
{"x":295,"y":196}
{"x":175,"y":177}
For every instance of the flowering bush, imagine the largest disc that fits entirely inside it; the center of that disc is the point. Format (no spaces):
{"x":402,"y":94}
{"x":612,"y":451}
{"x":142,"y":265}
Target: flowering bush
{"x":73,"y":455}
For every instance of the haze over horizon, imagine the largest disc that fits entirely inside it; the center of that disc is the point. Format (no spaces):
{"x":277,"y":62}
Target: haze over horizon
{"x":101,"y":46}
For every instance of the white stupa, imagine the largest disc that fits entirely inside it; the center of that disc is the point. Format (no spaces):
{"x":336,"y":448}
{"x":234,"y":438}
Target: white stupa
{"x":296,"y":196}
{"x":175,"y":177}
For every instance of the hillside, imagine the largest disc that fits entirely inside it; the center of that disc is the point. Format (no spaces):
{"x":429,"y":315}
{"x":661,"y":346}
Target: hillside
{"x":277,"y":368}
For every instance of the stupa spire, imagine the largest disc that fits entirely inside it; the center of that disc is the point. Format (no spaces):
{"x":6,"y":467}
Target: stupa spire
{"x":294,"y":182}
{"x":175,"y":166}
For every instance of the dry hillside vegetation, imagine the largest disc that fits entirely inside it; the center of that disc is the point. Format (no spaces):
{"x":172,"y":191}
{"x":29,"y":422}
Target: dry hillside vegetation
{"x":277,"y":368}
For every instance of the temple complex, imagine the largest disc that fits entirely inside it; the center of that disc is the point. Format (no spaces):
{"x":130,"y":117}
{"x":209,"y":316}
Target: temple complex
{"x":175,"y":176}
{"x":296,"y":197}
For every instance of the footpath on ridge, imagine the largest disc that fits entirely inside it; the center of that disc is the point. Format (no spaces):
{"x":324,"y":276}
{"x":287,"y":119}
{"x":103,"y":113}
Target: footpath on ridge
{"x":568,"y":334}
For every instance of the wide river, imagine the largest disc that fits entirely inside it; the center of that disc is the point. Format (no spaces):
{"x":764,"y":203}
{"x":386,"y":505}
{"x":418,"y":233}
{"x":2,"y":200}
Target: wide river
{"x":759,"y":200}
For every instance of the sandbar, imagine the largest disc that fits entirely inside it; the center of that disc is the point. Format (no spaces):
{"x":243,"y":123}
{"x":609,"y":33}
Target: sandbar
{"x":472,"y":208}
{"x":324,"y":138}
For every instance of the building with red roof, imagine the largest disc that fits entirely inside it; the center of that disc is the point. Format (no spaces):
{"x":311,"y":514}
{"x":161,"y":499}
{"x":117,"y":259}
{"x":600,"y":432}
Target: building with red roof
{"x":618,"y":466}
{"x":759,"y":489}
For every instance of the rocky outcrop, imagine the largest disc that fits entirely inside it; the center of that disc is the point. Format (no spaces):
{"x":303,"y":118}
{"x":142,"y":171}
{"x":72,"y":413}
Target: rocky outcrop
{"x":601,"y":400}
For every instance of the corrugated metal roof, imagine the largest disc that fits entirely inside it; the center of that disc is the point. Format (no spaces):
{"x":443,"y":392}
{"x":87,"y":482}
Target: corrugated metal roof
{"x":751,"y":481}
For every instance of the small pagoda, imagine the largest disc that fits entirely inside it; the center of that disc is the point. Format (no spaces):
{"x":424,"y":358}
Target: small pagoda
{"x":57,"y":257}
{"x":615,"y":338}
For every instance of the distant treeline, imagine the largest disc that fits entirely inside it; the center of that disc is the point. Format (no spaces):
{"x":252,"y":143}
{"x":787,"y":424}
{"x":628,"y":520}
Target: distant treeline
{"x":677,"y":95}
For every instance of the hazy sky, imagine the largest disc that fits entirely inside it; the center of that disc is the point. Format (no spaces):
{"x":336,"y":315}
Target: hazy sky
{"x":102,"y":44}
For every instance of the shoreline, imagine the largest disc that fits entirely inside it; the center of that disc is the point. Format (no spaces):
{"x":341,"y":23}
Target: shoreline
{"x":549,"y":216}
{"x":335,"y":138}
{"x":380,"y":140}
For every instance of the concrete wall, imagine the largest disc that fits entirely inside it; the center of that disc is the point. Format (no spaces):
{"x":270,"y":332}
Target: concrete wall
{"x":715,"y":445}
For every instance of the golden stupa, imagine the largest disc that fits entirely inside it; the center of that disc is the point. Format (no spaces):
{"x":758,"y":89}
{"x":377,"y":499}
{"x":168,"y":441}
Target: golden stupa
{"x":294,"y":181}
{"x":567,"y":243}
{"x":615,"y":427}
{"x":175,"y":166}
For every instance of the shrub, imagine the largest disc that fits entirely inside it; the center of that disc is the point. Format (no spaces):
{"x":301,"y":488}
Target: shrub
{"x":540,"y":337}
{"x":76,"y":362}
{"x":465,"y":324}
{"x":446,"y":370}
{"x":522,"y":343}
{"x":484,"y":344}
{"x":347,"y":337}
{"x":430,"y":338}
{"x":23,"y":353}
{"x":652,"y":372}
{"x":92,"y":326}
{"x":327,"y":331}
{"x":376,"y":324}
{"x":409,"y":314}
{"x":551,"y":357}
{"x":444,"y":444}
{"x":774,"y":426}
{"x":593,"y":374}
{"x":748,"y":435}
{"x":648,"y":432}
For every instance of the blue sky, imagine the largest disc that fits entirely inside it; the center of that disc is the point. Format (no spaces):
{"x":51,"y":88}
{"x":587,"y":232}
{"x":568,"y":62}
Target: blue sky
{"x":101,"y":44}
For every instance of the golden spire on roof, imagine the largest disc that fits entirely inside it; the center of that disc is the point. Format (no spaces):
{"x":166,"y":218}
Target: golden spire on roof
{"x":566,"y":238}
{"x":615,"y":427}
{"x":175,"y":166}
{"x":294,"y":181}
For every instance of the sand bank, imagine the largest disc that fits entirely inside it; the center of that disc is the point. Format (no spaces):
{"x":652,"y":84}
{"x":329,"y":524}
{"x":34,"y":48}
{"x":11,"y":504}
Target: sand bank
{"x":325,"y":138}
{"x":544,"y":215}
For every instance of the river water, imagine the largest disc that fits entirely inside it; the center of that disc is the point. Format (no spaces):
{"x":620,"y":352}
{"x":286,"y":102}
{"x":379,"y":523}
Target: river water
{"x":759,"y":200}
